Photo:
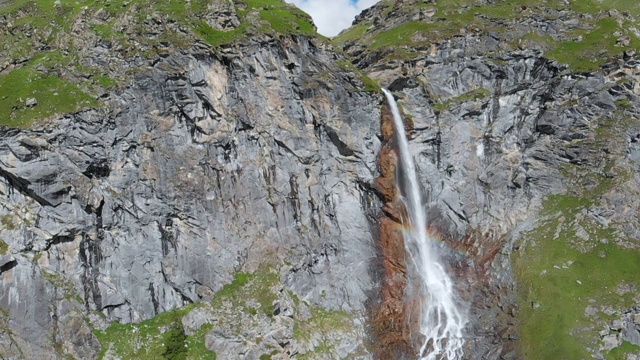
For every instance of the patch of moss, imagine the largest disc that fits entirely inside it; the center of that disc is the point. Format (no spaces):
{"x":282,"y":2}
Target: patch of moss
{"x":217,"y":37}
{"x":289,"y":21}
{"x":323,"y":321}
{"x":4,"y":248}
{"x":258,"y":286}
{"x":42,"y":20}
{"x":402,"y":34}
{"x":449,"y":18}
{"x":163,"y":336}
{"x":159,"y":337}
{"x":47,"y":59}
{"x":353,"y":33}
{"x":620,"y":352}
{"x":105,"y":81}
{"x":278,"y":16}
{"x":53,"y":94}
{"x":476,"y":94}
{"x":41,"y":13}
{"x":595,"y":48}
{"x":268,"y":356}
{"x":533,"y":40}
{"x":595,"y":6}
{"x":560,"y":273}
{"x":570,"y":261}
{"x":323,"y":350}
{"x":623,"y":103}
{"x":7,"y":220}
{"x":369,"y":84}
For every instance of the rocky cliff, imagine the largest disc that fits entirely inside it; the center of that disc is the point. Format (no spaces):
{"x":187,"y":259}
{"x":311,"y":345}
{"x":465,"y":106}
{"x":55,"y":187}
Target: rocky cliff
{"x":212,"y":178}
{"x":233,"y":176}
{"x":524,"y":123}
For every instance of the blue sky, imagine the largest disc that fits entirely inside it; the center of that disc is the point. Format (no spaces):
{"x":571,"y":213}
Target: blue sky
{"x":332,"y":16}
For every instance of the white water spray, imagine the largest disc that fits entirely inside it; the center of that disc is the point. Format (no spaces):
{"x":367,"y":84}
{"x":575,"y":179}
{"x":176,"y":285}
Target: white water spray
{"x":441,"y":321}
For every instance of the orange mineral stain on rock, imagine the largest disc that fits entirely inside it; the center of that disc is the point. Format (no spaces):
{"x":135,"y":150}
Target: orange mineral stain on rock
{"x":394,"y":317}
{"x":390,"y":325}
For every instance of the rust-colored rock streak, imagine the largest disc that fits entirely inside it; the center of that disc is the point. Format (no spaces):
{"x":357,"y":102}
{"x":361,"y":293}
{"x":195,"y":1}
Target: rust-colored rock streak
{"x":394,"y":319}
{"x":390,"y":324}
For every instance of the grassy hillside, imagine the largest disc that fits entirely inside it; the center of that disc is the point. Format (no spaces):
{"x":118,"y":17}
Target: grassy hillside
{"x":48,"y":48}
{"x":577,"y":274}
{"x":589,"y":33}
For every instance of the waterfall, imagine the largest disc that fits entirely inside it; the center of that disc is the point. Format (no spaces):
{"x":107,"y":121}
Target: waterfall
{"x":441,"y":320}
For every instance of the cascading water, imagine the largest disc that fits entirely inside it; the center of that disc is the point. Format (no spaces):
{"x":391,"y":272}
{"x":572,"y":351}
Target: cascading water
{"x":441,"y":320}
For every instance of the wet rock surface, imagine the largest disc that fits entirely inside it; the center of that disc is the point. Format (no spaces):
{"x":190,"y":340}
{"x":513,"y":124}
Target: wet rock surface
{"x":389,"y":313}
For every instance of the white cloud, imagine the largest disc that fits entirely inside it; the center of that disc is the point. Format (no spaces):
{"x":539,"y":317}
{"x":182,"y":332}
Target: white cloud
{"x":332,"y":16}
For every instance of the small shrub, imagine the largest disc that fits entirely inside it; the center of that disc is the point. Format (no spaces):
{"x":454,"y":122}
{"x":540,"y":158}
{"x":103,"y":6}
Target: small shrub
{"x":175,"y":340}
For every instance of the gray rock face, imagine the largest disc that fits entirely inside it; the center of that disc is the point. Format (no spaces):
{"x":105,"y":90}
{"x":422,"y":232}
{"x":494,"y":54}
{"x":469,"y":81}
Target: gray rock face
{"x":625,"y":328}
{"x":223,"y":15}
{"x":206,"y":166}
{"x":31,"y":102}
{"x":630,"y":326}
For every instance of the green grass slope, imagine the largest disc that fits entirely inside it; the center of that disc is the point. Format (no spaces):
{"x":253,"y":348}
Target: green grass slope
{"x":44,"y":45}
{"x":583,"y":46}
{"x":573,"y":272}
